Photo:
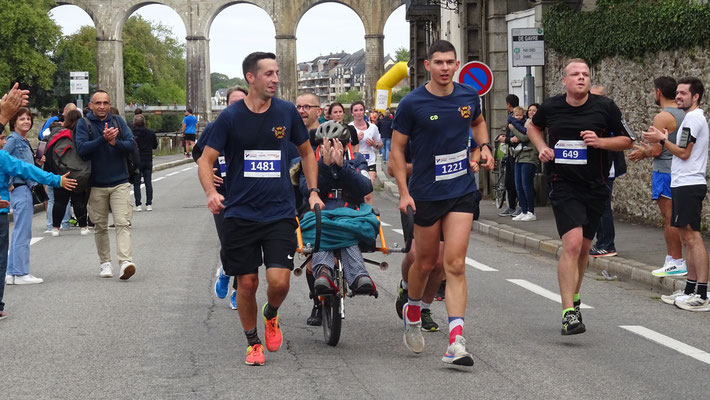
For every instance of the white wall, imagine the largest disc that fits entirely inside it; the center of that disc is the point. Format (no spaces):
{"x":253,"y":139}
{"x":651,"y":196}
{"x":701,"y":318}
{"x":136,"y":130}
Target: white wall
{"x":451,"y":31}
{"x":521,"y":19}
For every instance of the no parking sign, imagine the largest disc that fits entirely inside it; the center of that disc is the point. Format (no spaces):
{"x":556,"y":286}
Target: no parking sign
{"x":478,"y":75}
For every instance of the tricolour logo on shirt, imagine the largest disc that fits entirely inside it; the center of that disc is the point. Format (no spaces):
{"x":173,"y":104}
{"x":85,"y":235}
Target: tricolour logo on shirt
{"x":279,"y":131}
{"x":465,"y":111}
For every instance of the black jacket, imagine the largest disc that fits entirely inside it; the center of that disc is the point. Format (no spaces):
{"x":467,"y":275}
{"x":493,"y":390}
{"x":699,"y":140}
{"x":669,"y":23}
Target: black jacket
{"x":146,"y":140}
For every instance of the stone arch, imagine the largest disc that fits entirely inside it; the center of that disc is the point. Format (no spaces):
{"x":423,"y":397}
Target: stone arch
{"x":307,"y":5}
{"x":88,"y":10}
{"x":135,"y":5}
{"x":206,"y":25}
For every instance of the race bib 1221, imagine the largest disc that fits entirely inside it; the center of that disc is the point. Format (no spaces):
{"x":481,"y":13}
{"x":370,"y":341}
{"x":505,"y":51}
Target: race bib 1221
{"x":450,"y":166}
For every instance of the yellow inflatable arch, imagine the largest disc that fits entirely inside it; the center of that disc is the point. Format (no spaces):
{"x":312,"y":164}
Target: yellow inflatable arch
{"x":386,"y":82}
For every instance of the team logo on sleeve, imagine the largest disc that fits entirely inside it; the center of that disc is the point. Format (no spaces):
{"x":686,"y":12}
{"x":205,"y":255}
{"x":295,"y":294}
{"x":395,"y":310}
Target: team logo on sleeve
{"x":465,"y":111}
{"x":279,"y":131}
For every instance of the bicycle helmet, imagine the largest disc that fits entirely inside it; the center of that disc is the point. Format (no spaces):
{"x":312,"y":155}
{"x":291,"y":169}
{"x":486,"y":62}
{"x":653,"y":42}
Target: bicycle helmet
{"x":332,"y":130}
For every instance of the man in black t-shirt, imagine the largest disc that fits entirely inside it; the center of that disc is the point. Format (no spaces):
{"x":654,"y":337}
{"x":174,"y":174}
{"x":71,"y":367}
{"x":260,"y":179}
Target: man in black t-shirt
{"x":579,"y":126}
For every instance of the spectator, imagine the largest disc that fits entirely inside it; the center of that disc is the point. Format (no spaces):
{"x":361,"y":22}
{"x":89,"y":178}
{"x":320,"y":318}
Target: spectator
{"x":525,"y":164}
{"x":385,"y":125}
{"x":511,"y":101}
{"x":147,"y":142}
{"x":105,"y":139}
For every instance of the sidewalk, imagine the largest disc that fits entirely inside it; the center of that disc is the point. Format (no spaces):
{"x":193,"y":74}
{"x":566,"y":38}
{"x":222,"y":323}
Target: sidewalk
{"x":641,"y":248}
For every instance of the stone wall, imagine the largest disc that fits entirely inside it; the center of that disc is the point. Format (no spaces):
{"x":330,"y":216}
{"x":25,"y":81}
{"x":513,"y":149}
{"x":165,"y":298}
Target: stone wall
{"x":630,"y":84}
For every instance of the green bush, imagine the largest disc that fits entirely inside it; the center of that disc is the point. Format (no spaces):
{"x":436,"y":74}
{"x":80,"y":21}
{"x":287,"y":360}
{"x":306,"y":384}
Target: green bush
{"x":627,"y":28}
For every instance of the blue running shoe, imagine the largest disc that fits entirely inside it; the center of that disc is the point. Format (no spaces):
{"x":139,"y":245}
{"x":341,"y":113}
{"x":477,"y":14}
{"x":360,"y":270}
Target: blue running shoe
{"x":233,"y":300}
{"x":221,"y":286}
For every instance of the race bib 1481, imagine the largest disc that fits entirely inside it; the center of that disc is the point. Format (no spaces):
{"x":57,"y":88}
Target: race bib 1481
{"x":262,"y":163}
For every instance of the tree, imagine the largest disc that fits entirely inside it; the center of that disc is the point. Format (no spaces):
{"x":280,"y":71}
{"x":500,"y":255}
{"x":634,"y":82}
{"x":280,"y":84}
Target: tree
{"x":76,"y":52}
{"x":222,"y":81}
{"x":28,"y":37}
{"x":349,"y":97}
{"x":401,"y":54}
{"x":399,"y":94}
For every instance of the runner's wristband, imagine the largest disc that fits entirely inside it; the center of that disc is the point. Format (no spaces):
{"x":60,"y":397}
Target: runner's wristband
{"x":487,"y":144}
{"x":311,"y":190}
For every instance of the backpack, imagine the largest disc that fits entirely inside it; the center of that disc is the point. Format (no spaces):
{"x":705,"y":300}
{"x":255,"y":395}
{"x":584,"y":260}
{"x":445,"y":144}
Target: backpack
{"x":133,"y":158}
{"x":64,"y":157}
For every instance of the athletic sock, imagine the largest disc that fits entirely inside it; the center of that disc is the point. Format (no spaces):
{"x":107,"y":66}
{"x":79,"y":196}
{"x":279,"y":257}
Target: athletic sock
{"x":455,"y":328}
{"x":669,"y":258}
{"x":311,"y":283}
{"x":565,"y":311}
{"x":702,"y":290}
{"x":575,"y":297}
{"x":426,"y":306}
{"x":252,"y":337}
{"x":689,"y":286}
{"x":678,"y":261}
{"x":405,"y":285}
{"x":270,"y":311}
{"x":414,"y":310}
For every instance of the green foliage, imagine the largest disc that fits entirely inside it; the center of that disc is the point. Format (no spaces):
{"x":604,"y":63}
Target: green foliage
{"x":627,"y":28}
{"x":222,"y":81}
{"x":398,"y":95}
{"x":74,"y":53}
{"x":349,"y":97}
{"x":28,"y":37}
{"x":402,"y":54}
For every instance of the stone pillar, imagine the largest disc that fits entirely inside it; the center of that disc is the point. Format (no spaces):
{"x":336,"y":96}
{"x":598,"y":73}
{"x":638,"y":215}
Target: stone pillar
{"x":286,"y":58}
{"x":109,"y":69}
{"x":374,"y":65}
{"x":198,"y":94}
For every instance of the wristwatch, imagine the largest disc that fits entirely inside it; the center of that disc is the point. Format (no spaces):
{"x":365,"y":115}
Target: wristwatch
{"x":311,"y":190}
{"x":663,"y":142}
{"x":487,"y":144}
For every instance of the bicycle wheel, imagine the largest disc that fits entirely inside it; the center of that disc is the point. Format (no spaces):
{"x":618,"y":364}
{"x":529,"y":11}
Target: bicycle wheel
{"x":500,"y":185}
{"x":331,"y":320}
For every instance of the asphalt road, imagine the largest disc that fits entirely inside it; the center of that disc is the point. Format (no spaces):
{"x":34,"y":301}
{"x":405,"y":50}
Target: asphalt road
{"x":163,"y":334}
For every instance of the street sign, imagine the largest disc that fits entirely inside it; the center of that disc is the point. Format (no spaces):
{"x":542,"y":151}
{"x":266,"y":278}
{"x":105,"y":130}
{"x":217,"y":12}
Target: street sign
{"x":528,"y":47}
{"x":478,"y":75}
{"x":79,"y":82}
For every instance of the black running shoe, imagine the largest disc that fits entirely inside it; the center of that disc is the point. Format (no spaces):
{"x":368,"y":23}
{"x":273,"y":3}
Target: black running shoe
{"x":402,"y":299}
{"x":571,"y":325}
{"x":577,"y":304}
{"x":428,"y":323}
{"x":316,"y":317}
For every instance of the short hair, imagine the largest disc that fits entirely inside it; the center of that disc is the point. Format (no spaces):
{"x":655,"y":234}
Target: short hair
{"x":666,"y":85}
{"x":73,"y":116}
{"x":696,"y":86}
{"x":440,"y":46}
{"x":189,"y":110}
{"x":236,"y":89}
{"x":312,"y":96}
{"x":100,"y":91}
{"x":22,"y":111}
{"x":138,"y":111}
{"x":113,"y":110}
{"x":518,"y":110}
{"x":572,"y":61}
{"x":356,"y":103}
{"x":139,"y":121}
{"x":250,"y":63}
{"x":512,"y":100}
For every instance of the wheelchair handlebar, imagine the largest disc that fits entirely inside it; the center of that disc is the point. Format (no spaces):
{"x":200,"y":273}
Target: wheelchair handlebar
{"x":316,"y":245}
{"x":408,"y":230}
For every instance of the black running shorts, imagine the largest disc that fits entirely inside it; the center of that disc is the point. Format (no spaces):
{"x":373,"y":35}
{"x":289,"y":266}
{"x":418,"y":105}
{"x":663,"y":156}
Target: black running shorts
{"x":245,"y":241}
{"x":428,"y":212}
{"x":190,"y":136}
{"x":576,"y":205}
{"x":687,"y":205}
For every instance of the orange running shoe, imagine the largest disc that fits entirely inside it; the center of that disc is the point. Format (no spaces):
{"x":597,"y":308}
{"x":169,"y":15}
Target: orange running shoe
{"x":272,"y":334}
{"x":255,"y":355}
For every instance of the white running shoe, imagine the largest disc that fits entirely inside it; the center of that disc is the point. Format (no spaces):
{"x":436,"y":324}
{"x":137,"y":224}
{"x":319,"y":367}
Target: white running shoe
{"x":9,"y":279}
{"x":671,"y":298}
{"x":106,"y":271}
{"x":27,"y":280}
{"x":55,"y":232}
{"x":519,"y":217}
{"x":528,"y":217}
{"x":127,"y":270}
{"x":413,"y":338}
{"x":149,"y":207}
{"x":85,"y":231}
{"x":670,"y":268}
{"x":456,"y":353}
{"x":693,"y":303}
{"x":137,"y":209}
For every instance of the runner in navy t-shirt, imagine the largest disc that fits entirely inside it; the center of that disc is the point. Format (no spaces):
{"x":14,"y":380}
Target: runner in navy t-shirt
{"x":436,"y":119}
{"x":579,"y":126}
{"x":259,"y":209}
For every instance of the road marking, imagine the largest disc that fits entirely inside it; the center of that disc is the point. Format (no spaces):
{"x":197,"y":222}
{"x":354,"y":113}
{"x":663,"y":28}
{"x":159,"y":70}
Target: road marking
{"x":385,"y":223}
{"x":479,"y":266}
{"x":401,"y":232}
{"x":173,"y":173}
{"x":541,"y":291}
{"x":158,"y":179}
{"x":35,"y":240}
{"x":187,"y":169}
{"x":669,"y":342}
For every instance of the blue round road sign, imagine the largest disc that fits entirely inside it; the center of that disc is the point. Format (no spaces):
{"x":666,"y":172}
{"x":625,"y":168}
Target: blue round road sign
{"x":478,"y":75}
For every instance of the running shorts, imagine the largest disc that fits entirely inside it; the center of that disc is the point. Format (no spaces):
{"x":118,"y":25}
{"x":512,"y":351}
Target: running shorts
{"x":428,"y":212}
{"x":577,"y":205}
{"x":661,"y":185}
{"x":248,"y":244}
{"x":687,"y":205}
{"x":190,"y":136}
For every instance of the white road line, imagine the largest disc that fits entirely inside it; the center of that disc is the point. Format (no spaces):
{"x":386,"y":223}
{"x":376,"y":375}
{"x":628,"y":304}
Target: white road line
{"x":158,"y":179}
{"x":173,"y":173}
{"x":541,"y":291}
{"x":385,"y":223}
{"x":35,"y":240}
{"x":401,"y":232}
{"x":669,"y":342}
{"x":187,"y":169}
{"x":479,"y":266}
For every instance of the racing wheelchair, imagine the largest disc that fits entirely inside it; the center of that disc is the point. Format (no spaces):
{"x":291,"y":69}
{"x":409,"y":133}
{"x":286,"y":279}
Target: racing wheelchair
{"x":333,"y":305}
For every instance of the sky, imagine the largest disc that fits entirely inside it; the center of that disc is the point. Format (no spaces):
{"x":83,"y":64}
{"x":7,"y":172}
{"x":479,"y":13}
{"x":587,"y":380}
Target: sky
{"x":324,"y":29}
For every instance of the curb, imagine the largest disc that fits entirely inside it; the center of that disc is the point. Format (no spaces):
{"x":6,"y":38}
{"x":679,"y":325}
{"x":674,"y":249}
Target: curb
{"x":625,"y":269}
{"x":38,"y":208}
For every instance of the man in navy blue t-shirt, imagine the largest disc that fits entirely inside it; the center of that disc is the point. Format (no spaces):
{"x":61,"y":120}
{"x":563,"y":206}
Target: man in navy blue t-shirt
{"x":436,"y":119}
{"x":259,"y":209}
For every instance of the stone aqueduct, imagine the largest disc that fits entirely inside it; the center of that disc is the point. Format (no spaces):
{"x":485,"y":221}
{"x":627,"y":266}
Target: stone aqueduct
{"x":110,"y":16}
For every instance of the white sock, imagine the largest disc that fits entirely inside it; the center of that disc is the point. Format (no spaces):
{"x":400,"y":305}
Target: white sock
{"x":679,"y":261}
{"x":405,"y":286}
{"x":426,"y":306}
{"x":669,"y":258}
